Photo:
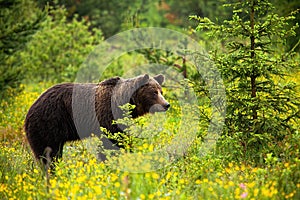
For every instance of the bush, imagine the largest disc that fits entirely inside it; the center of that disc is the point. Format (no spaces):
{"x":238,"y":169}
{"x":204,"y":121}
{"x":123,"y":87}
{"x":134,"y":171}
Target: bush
{"x":56,"y":52}
{"x":17,"y":26}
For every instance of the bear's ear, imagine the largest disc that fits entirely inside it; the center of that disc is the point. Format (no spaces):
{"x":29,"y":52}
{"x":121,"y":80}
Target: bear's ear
{"x":142,"y":80}
{"x":159,"y":78}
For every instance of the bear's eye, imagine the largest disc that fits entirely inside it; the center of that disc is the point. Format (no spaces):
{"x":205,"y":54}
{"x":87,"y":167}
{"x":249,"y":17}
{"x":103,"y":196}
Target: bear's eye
{"x":155,"y":92}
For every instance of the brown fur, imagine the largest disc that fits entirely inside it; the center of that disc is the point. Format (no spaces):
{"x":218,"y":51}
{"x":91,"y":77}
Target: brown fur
{"x":71,"y":111}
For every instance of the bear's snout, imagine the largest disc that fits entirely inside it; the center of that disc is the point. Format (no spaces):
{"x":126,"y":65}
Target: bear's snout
{"x":166,"y":106}
{"x":159,"y":107}
{"x":163,"y":103}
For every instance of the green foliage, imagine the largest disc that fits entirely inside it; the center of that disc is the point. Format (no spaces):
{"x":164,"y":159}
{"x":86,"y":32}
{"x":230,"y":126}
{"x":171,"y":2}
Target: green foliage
{"x":258,"y":154}
{"x":56,"y":52}
{"x":151,"y":139}
{"x":115,"y":16}
{"x":178,"y":11}
{"x":262,"y":106}
{"x":106,"y":15}
{"x":17,"y":25}
{"x":285,"y":8}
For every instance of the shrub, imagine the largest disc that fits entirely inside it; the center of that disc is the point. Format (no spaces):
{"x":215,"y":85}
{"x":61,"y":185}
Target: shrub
{"x":56,"y":52}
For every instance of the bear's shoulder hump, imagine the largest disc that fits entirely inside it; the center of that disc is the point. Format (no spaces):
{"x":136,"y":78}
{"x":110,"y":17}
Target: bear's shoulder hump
{"x":111,"y":81}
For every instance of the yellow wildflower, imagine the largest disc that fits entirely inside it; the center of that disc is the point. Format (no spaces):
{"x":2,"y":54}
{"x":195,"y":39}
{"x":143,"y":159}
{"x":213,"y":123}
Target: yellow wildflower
{"x":117,"y":184}
{"x":142,"y":196}
{"x":231,"y":183}
{"x":155,"y":175}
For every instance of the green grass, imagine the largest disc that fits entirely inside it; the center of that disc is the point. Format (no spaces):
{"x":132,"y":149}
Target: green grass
{"x":79,"y":175}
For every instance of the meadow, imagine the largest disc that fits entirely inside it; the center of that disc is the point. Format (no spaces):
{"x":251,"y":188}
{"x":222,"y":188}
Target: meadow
{"x":253,"y":44}
{"x":79,"y":175}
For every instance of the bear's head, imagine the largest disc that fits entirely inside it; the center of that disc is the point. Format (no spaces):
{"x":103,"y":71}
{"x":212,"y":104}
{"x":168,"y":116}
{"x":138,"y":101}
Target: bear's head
{"x":143,"y":91}
{"x":148,"y":97}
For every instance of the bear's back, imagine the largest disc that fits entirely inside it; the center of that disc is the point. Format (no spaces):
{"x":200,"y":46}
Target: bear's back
{"x":110,"y":82}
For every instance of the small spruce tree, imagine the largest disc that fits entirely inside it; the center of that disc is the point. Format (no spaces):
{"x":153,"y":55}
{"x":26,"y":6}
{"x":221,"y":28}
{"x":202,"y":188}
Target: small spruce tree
{"x":262,"y":106}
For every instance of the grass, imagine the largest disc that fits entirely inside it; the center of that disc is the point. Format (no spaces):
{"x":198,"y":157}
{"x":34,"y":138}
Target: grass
{"x":79,"y":175}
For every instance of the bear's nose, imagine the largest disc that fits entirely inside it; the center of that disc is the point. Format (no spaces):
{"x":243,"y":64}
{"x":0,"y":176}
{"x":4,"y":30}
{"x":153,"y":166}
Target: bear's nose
{"x":167,"y":106}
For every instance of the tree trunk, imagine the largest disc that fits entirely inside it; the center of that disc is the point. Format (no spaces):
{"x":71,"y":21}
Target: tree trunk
{"x":253,"y":74}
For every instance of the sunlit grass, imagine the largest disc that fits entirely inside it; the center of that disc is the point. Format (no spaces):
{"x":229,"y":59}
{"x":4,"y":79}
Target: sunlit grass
{"x":80,"y":175}
{"x":13,"y":115}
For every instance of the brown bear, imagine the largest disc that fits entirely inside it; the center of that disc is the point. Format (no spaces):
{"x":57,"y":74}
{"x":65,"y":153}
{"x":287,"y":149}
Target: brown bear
{"x":72,"y":111}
